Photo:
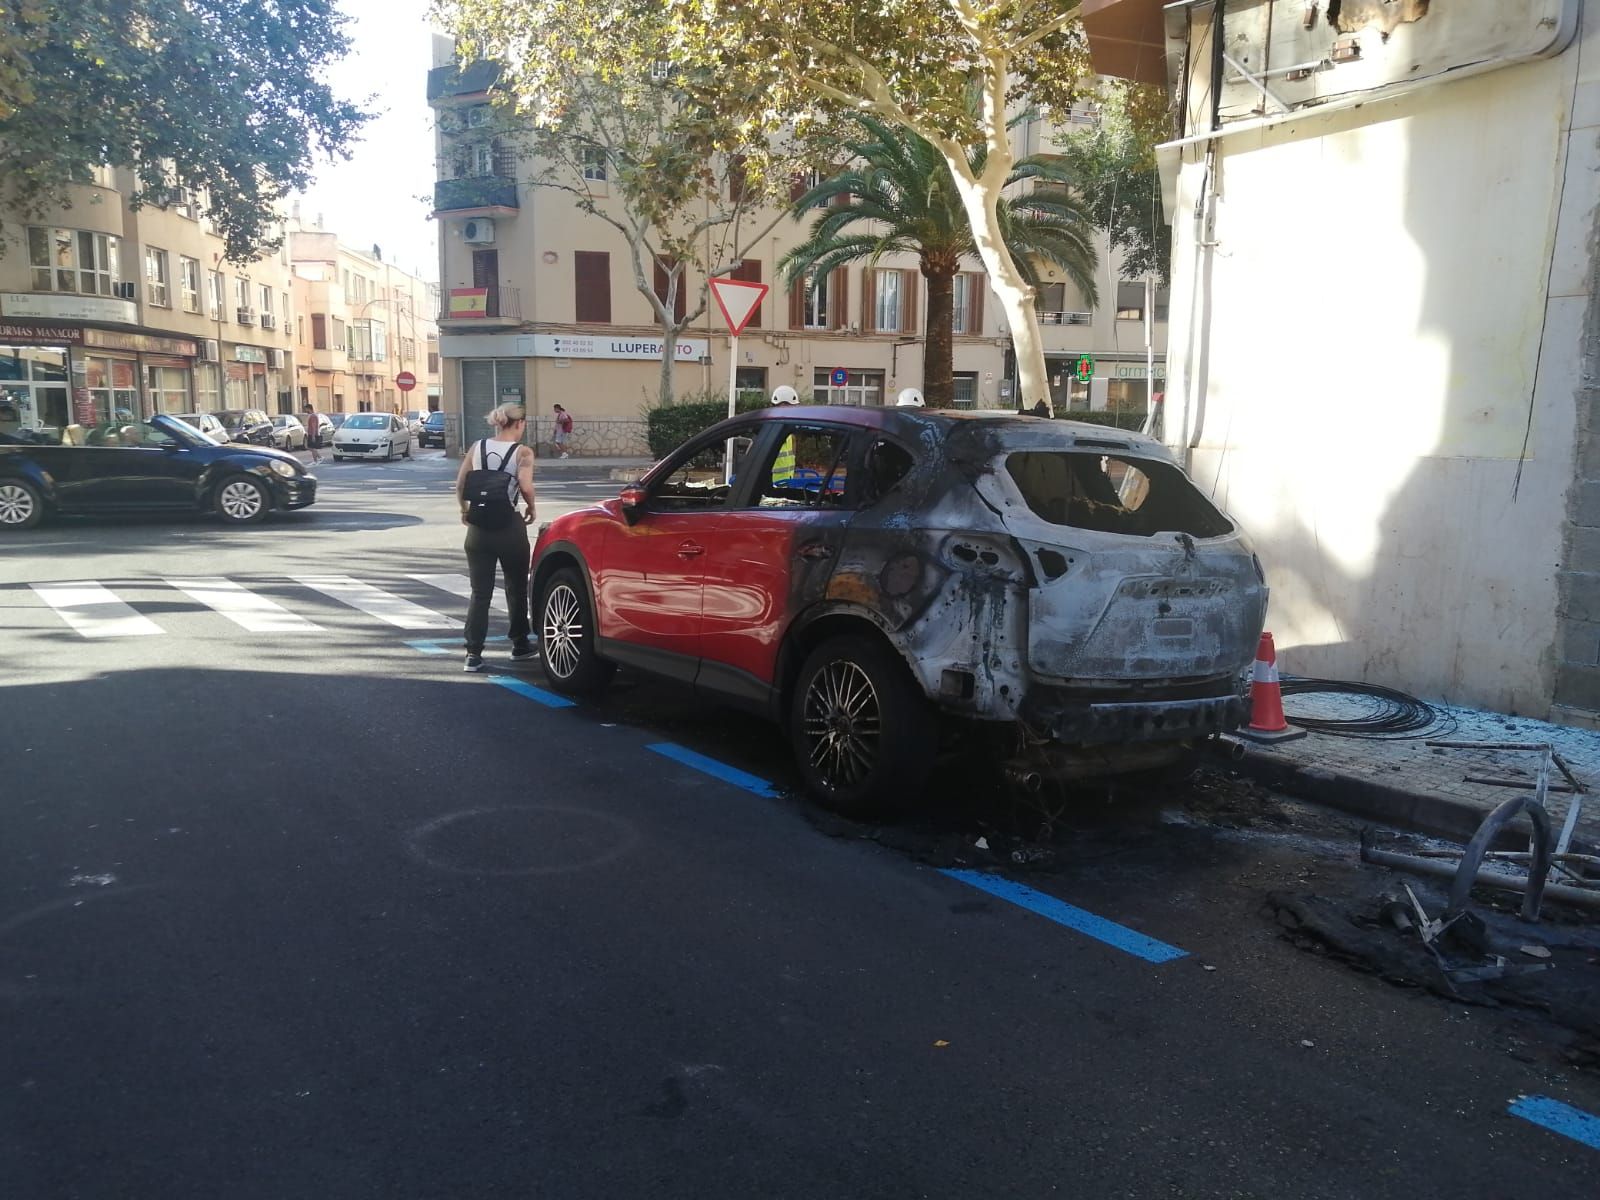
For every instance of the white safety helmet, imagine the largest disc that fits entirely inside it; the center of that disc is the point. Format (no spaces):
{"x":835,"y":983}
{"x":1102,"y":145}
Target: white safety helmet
{"x":909,"y":398}
{"x":785,"y":394}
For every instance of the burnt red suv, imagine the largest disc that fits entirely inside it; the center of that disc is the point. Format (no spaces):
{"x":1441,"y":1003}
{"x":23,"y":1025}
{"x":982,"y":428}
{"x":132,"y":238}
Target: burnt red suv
{"x":866,"y":569}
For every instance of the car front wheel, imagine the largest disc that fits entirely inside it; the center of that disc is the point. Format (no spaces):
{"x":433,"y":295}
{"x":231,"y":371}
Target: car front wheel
{"x":242,"y":500}
{"x":566,"y":637}
{"x":863,"y":733}
{"x":21,"y":506}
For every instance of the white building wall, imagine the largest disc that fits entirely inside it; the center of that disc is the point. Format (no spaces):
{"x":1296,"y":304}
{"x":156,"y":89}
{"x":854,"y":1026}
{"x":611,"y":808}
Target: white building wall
{"x":1375,"y":368}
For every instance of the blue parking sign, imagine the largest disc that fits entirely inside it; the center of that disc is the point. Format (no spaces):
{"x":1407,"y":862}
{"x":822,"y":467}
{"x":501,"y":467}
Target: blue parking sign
{"x":840,"y":377}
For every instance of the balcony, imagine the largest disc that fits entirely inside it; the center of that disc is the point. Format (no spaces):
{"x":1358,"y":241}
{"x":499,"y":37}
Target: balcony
{"x":481,"y":307}
{"x":482,"y":195}
{"x":1066,"y":318}
{"x":470,"y":80}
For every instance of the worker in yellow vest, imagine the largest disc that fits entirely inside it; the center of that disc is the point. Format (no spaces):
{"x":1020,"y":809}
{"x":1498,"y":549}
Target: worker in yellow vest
{"x":783,"y":466}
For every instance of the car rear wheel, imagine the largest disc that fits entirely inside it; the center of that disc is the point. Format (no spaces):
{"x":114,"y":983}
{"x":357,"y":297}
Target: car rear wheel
{"x":862,"y":731}
{"x":21,"y":506}
{"x":242,"y":500}
{"x":566,"y":637}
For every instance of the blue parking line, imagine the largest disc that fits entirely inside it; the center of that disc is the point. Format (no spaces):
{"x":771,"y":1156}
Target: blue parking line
{"x":538,"y":695}
{"x":1559,"y":1118}
{"x":1127,"y":940}
{"x":428,"y":647}
{"x":716,"y":770}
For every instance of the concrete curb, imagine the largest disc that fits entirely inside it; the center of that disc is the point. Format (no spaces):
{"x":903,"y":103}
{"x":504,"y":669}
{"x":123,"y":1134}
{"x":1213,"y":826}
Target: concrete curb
{"x":1419,"y":810}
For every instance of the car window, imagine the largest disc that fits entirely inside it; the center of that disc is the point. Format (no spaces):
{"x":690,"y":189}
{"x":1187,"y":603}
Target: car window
{"x":694,"y":482}
{"x":1113,"y":494}
{"x":886,"y":465}
{"x":807,"y":468}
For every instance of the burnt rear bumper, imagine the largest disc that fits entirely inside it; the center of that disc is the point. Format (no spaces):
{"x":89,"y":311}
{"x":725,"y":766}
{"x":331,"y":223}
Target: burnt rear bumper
{"x":1087,"y":723}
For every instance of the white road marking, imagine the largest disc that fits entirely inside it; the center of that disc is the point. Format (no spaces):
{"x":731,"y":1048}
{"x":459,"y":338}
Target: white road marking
{"x":376,"y":603}
{"x":460,"y":585}
{"x":243,"y":607}
{"x":93,"y":611}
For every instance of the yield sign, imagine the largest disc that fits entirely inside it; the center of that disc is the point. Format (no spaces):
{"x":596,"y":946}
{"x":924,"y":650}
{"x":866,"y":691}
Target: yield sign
{"x":738,"y":301}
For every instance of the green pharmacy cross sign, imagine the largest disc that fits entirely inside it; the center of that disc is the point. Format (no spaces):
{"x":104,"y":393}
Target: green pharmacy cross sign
{"x":1083,"y":368}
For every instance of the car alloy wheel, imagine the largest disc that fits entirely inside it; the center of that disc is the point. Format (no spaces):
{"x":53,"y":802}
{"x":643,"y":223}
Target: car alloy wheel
{"x":862,"y":730}
{"x":563,"y":631}
{"x":241,"y":500}
{"x":843,"y":722}
{"x":19,"y":505}
{"x":566,"y":626}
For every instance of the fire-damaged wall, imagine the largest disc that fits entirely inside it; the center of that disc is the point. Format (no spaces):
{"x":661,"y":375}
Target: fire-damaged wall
{"x":1347,"y":16}
{"x":1577,"y":694}
{"x":1404,"y":409}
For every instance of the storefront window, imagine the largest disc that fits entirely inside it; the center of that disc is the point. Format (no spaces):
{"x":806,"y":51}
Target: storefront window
{"x":68,"y":260}
{"x":208,"y":392}
{"x":33,"y":388}
{"x":113,"y":385}
{"x":169,"y":389}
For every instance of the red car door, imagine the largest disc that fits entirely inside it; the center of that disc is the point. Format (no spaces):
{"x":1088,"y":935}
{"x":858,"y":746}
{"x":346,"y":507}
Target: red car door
{"x":773,"y":555}
{"x":649,"y":586}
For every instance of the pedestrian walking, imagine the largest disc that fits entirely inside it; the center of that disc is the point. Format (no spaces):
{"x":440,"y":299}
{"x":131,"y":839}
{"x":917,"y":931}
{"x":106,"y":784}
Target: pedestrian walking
{"x":563,"y":431}
{"x":313,"y":424}
{"x":494,"y":475}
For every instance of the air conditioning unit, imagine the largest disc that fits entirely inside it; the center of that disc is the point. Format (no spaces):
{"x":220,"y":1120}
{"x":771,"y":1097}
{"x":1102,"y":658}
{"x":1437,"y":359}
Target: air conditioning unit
{"x":209,"y":351}
{"x":449,"y":120}
{"x":478,"y":232}
{"x":275,"y":359}
{"x":268,"y":321}
{"x":125,"y":291}
{"x":478,"y":116}
{"x":245,"y":316}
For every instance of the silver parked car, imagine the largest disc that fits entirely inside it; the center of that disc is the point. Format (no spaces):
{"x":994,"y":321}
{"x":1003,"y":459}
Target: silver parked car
{"x":288,"y":433}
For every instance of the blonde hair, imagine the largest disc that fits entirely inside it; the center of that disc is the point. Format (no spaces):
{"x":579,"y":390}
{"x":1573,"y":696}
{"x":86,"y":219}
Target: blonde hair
{"x":506,"y":415}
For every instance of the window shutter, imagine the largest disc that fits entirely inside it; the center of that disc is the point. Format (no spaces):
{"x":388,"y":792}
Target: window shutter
{"x":839,"y":285}
{"x":797,"y":187}
{"x":319,"y":331}
{"x":977,"y":285}
{"x":738,"y":182}
{"x":869,"y":301}
{"x":908,"y":300}
{"x":592,"y":280}
{"x":749,"y":271}
{"x":797,"y":303}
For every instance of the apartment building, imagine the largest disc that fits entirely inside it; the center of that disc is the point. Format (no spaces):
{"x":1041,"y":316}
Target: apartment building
{"x":362,"y":324}
{"x":539,"y":304}
{"x":108,"y":312}
{"x":1386,"y":342}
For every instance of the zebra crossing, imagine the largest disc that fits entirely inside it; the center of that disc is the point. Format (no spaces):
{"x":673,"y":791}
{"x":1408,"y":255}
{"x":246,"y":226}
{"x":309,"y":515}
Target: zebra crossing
{"x":94,"y":609}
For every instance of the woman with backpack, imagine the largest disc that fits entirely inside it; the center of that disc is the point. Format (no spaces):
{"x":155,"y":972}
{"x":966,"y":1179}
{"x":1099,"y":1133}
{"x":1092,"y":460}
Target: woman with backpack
{"x":494,"y":474}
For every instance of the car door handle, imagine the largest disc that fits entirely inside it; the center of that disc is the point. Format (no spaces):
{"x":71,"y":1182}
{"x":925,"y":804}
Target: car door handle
{"x":815,"y":551}
{"x":690,"y":549}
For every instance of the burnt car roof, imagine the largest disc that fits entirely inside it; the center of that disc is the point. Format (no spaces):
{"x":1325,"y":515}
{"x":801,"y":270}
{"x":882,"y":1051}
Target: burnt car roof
{"x":969,"y":434}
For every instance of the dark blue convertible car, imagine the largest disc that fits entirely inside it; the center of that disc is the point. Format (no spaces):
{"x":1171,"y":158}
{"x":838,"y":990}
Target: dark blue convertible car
{"x":161,"y":463}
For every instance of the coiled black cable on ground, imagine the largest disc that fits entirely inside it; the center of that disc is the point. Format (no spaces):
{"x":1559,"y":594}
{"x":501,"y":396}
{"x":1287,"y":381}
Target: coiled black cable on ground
{"x":1394,"y":715}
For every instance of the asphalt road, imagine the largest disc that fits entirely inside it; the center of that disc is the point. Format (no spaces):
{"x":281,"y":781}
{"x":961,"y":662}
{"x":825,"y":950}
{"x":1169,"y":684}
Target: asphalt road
{"x":291,"y":907}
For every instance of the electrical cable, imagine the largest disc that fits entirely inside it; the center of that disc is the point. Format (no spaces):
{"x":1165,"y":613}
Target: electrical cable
{"x":1393,"y":716}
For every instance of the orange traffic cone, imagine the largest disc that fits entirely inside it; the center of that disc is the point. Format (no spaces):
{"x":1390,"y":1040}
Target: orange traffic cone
{"x":1266,"y":699}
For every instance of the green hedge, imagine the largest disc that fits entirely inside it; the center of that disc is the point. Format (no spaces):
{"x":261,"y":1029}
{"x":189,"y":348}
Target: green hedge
{"x":669,"y":426}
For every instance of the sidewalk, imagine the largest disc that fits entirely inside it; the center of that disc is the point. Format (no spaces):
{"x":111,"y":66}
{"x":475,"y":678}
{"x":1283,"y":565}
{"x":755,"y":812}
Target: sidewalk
{"x":1412,"y":784}
{"x":619,"y":469}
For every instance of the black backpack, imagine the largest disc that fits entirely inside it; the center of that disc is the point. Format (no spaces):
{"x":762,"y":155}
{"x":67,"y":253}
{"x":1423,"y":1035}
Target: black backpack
{"x":488,"y":500}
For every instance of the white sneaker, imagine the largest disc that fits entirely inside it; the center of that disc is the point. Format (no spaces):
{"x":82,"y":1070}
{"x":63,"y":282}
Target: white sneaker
{"x":565,"y":455}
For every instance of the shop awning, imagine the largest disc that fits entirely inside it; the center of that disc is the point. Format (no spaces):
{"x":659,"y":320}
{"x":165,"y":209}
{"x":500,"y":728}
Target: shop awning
{"x":1127,"y":39}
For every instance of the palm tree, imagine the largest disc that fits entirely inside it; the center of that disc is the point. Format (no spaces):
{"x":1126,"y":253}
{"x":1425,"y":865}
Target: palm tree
{"x":898,"y":195}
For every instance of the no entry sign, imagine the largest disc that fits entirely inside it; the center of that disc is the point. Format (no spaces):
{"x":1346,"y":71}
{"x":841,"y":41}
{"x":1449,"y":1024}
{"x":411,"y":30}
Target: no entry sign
{"x":405,"y":381}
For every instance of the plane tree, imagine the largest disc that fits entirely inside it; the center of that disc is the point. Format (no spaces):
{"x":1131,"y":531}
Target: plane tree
{"x":219,"y":99}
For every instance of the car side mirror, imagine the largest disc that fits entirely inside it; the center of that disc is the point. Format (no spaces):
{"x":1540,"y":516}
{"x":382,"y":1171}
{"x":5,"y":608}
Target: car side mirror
{"x":632,"y":500}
